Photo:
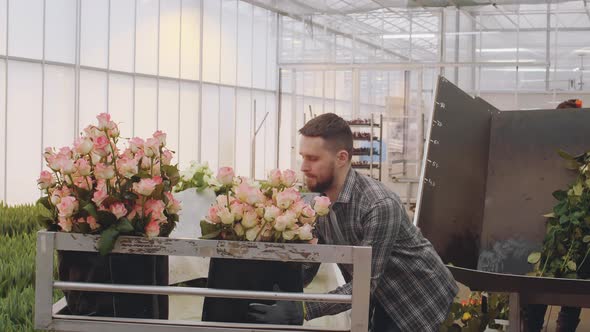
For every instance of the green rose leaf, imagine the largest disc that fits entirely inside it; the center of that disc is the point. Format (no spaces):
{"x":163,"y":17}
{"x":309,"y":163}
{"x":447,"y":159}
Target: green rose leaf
{"x":91,"y":210}
{"x":586,"y":239}
{"x":107,"y":240}
{"x":124,"y":226}
{"x":565,"y":155}
{"x":534,"y":257}
{"x":209,"y":230}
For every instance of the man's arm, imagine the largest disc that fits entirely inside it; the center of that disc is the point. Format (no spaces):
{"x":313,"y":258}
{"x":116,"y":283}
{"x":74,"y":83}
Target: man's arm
{"x":381,"y":225}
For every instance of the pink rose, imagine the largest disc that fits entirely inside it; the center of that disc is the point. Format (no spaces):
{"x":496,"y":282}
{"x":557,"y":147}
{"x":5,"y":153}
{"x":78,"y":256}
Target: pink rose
{"x":298,"y":206}
{"x":136,"y":144}
{"x":226,"y":216}
{"x":249,"y":194}
{"x":222,"y":200}
{"x":161,"y":137}
{"x":83,"y":182}
{"x":239,"y":229}
{"x":136,"y":211}
{"x":173,"y":206}
{"x":151,"y":147}
{"x":307,"y":215}
{"x":252,"y":232}
{"x":112,"y":129}
{"x":249,"y":219}
{"x":53,"y":162}
{"x":212,"y":215}
{"x":322,"y":205}
{"x":103,"y":120}
{"x":101,"y":145}
{"x":225,"y":176}
{"x":83,"y":145}
{"x":65,"y":223}
{"x":66,"y":165}
{"x":46,"y":180}
{"x":305,"y":232}
{"x":99,"y":196}
{"x":83,"y":167}
{"x":167,"y":157}
{"x":127,"y":167}
{"x":67,"y":206}
{"x":92,"y":223}
{"x":288,"y":177}
{"x":271,"y":212}
{"x":92,"y":132}
{"x":156,"y":209}
{"x":275,"y":178}
{"x":237,"y":209}
{"x":145,"y":187}
{"x":119,"y":210}
{"x":152,"y":229}
{"x":284,"y":221}
{"x":287,"y":197}
{"x":289,"y":234}
{"x":102,"y":171}
{"x":58,"y":194}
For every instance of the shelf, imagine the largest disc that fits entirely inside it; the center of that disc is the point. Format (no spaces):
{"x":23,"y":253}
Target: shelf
{"x":366,"y":166}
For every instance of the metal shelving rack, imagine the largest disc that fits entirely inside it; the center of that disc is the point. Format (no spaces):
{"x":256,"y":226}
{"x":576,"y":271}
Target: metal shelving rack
{"x":373,"y":126}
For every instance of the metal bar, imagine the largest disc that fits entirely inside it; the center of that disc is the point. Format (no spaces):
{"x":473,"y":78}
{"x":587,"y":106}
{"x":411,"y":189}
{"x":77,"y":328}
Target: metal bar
{"x":108,"y":81}
{"x":178,"y":122}
{"x":548,"y":46}
{"x":5,"y":191}
{"x":44,"y":279}
{"x":158,"y":68}
{"x":134,"y":64}
{"x":200,"y":112}
{"x":209,"y":292}
{"x":361,"y":289}
{"x":402,"y":65}
{"x":42,"y":86}
{"x":294,"y":252}
{"x":101,"y":324}
{"x":77,"y":67}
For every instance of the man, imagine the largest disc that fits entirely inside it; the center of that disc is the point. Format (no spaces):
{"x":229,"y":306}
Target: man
{"x":411,"y":289}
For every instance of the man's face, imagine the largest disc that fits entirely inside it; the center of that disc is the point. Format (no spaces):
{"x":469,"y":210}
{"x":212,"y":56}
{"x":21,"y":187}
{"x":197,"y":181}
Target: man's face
{"x":318,"y":163}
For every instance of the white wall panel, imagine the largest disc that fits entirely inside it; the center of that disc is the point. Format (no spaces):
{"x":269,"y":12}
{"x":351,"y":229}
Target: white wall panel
{"x":188,"y":147}
{"x":122,"y":34}
{"x":285,"y":141}
{"x":3,"y":25}
{"x":93,"y":96}
{"x":211,"y":40}
{"x":227,"y":127}
{"x":146,"y":56}
{"x":271,"y":51}
{"x":24,"y":132}
{"x":169,"y":37}
{"x":229,"y":35}
{"x":244,"y":63}
{"x":58,"y":112}
{"x":146,"y":113}
{"x":210,"y":127}
{"x":94,"y":33}
{"x":243,"y":132}
{"x":260,"y":111}
{"x":121,"y":102}
{"x":168,"y":113}
{"x":60,"y":31}
{"x":259,"y":45}
{"x":270,"y":143}
{"x":2,"y":126}
{"x":191,"y":36}
{"x":25,"y":30}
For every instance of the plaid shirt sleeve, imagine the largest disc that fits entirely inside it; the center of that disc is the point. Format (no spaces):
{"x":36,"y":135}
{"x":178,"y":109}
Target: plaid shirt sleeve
{"x":381,"y":225}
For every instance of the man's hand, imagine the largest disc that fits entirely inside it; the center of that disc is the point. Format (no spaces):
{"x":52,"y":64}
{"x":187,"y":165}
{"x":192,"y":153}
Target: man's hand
{"x":283,"y":312}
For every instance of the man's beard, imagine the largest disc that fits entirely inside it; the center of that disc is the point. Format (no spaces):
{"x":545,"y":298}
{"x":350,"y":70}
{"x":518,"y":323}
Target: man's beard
{"x":322,"y":186}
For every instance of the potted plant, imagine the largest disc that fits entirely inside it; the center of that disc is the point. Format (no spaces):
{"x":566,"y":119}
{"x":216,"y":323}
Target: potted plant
{"x":246,"y":210}
{"x":98,"y":187}
{"x":480,"y":312}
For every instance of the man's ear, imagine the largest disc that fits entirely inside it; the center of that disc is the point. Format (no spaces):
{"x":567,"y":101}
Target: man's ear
{"x":342,"y":157}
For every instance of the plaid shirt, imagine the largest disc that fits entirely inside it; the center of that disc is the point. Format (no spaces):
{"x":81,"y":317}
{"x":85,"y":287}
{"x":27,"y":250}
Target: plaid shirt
{"x":408,"y":278}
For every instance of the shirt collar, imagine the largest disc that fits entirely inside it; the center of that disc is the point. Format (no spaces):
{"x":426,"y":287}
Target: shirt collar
{"x":346,"y":192}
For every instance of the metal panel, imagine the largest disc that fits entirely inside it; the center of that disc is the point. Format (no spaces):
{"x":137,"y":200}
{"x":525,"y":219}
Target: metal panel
{"x":210,"y":248}
{"x":524,"y":169}
{"x":451,"y":198}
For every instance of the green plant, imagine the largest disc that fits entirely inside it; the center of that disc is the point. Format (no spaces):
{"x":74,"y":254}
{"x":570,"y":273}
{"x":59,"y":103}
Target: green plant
{"x":477,"y":313}
{"x":18,"y":226}
{"x":566,"y":243}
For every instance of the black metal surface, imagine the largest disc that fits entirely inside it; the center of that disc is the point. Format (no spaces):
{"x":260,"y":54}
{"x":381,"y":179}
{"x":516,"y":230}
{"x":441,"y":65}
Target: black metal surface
{"x":524,"y":169}
{"x":452,"y":200}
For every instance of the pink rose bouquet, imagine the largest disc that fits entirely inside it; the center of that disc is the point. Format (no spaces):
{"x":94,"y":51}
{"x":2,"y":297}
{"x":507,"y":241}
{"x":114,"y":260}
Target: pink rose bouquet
{"x":271,"y":211}
{"x":97,"y":188}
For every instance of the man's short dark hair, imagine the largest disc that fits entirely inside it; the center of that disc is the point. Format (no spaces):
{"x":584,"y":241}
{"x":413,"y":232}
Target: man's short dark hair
{"x":572,"y":103}
{"x":333,"y":129}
